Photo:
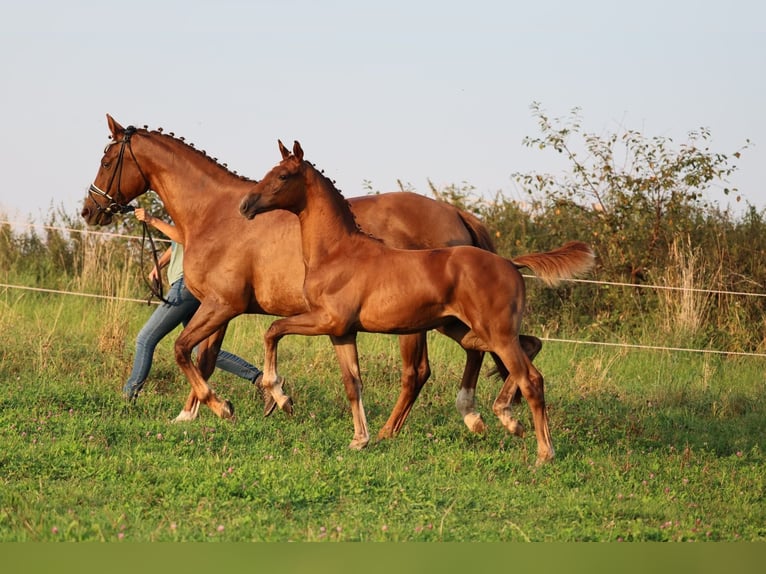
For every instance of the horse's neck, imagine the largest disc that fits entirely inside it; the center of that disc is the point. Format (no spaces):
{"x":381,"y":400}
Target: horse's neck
{"x":189,"y":184}
{"x":326,"y":219}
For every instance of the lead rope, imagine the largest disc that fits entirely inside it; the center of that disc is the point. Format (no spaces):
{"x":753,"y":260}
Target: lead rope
{"x":155,"y":287}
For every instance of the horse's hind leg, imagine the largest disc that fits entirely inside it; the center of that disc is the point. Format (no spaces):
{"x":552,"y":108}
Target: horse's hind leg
{"x":466,"y":396}
{"x":470,"y":340}
{"x":531,"y":346}
{"x":529,"y":380}
{"x":474,"y":347}
{"x":415,"y":372}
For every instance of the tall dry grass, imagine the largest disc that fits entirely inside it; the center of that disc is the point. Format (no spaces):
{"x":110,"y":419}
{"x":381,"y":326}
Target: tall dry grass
{"x":110,"y":270}
{"x":685,"y":311}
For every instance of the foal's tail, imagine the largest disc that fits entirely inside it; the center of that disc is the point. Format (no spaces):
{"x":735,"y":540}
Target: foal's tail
{"x":568,"y":261}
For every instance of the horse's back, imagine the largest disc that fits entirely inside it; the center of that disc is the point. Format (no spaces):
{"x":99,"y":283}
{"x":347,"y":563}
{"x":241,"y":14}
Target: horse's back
{"x":264,"y":257}
{"x":408,"y":220}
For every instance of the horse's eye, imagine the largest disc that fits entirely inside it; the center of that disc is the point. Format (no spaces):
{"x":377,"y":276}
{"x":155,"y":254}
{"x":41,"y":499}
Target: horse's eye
{"x":283,"y":177}
{"x":106,"y":164}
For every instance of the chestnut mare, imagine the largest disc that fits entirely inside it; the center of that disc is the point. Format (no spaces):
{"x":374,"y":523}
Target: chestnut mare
{"x":356,"y":283}
{"x":234,"y":266}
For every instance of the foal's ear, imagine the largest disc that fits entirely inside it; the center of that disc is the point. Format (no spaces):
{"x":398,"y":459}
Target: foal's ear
{"x":297,"y":150}
{"x":114,"y":127}
{"x":283,"y":150}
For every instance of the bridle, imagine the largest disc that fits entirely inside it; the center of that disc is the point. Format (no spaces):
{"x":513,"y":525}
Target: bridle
{"x":114,"y":206}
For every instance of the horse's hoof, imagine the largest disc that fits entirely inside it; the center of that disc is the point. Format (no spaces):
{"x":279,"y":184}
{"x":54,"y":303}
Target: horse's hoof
{"x":184,"y":416}
{"x":516,"y":428}
{"x":227,"y":410}
{"x":544,"y":459}
{"x":269,"y":404}
{"x":385,"y":433}
{"x":478,"y":426}
{"x":475,"y":423}
{"x":358,"y":443}
{"x":287,"y":406}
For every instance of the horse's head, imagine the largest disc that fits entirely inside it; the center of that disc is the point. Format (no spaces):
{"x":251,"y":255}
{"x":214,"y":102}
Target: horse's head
{"x":118,"y":181}
{"x":282,"y":188}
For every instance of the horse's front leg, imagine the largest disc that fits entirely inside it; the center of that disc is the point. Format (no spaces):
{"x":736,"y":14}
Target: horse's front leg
{"x":318,"y":322}
{"x":305,"y":324}
{"x":208,"y":320}
{"x":207,"y":351}
{"x":271,"y":382}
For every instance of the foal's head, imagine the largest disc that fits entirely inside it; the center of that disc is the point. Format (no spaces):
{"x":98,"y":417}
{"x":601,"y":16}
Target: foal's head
{"x":284,"y":187}
{"x":118,"y":181}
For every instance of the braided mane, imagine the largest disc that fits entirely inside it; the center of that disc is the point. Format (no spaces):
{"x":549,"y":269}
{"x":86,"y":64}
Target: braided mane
{"x":339,"y":194}
{"x":201,"y":153}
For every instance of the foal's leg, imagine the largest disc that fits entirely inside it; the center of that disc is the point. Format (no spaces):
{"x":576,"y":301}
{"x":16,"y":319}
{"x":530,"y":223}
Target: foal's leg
{"x":466,"y":398}
{"x":317,"y":322}
{"x":523,"y":373}
{"x":415,"y":372}
{"x":531,"y":346}
{"x":348,"y":358}
{"x":271,"y":382}
{"x":473,"y":343}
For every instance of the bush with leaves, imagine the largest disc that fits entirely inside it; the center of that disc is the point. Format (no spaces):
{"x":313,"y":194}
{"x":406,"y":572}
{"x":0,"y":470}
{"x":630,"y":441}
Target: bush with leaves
{"x":634,"y":194}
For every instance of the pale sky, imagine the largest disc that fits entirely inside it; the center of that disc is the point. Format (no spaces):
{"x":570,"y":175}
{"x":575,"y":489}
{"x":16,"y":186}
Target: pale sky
{"x":374,"y":91}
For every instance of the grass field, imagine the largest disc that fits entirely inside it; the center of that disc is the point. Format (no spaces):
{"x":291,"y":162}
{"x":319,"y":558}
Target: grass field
{"x":651,"y":446}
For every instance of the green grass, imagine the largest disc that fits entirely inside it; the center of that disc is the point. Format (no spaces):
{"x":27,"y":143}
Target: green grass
{"x":650,"y":446}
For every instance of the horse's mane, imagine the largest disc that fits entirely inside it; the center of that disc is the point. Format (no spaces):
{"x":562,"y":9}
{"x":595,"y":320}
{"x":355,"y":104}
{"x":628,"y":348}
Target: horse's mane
{"x":334,"y":188}
{"x":201,"y":153}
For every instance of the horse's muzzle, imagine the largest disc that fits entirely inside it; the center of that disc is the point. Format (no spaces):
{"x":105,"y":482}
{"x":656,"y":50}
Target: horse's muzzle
{"x":248,"y":207}
{"x":96,"y":216}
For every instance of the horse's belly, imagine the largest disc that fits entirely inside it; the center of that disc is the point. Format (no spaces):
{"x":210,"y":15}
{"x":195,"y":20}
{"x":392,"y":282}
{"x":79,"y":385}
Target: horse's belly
{"x":403,"y":315}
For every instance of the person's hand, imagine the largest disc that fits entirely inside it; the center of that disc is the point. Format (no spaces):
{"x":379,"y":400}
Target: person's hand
{"x":154,"y":275}
{"x":142,"y":215}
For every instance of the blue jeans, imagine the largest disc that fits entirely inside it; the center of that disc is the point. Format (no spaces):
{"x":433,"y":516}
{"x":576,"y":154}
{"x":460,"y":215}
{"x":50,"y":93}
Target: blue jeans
{"x":179,"y":309}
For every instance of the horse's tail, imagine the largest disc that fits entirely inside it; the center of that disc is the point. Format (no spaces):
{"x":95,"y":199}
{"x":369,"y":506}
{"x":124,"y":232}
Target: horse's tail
{"x":480,"y":236}
{"x":568,"y":261}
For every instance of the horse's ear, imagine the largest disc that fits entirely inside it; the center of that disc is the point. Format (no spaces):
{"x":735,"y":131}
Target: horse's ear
{"x":283,"y":150}
{"x":297,"y":150}
{"x":114,"y":127}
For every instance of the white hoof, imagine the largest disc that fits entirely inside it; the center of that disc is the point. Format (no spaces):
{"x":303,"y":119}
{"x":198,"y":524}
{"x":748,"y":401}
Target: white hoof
{"x":185,"y":416}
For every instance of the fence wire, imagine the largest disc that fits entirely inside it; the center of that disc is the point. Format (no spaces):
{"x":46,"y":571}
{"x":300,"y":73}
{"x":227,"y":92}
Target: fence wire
{"x":547,"y":339}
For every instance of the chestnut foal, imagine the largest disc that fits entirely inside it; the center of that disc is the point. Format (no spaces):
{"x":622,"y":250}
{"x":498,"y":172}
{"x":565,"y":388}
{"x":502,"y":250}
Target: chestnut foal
{"x":355,"y":282}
